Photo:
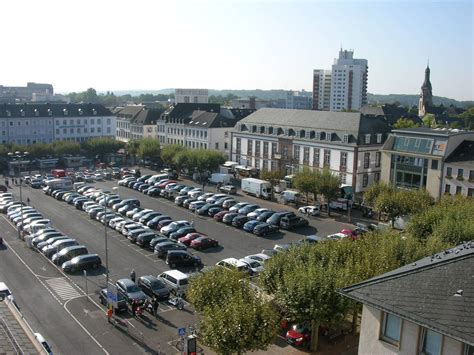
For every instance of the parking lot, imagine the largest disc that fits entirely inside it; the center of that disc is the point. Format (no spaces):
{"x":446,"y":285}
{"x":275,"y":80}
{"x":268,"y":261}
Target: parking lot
{"x":124,"y":256}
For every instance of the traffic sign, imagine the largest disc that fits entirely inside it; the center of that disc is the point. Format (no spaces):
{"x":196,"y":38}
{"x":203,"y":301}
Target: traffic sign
{"x":182,"y":332}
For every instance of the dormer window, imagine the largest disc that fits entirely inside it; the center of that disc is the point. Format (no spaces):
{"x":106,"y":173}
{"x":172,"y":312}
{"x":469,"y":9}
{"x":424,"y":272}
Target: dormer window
{"x":94,"y":112}
{"x":328,"y":137}
{"x":317,"y":135}
{"x":379,"y":138}
{"x":9,"y":114}
{"x":36,"y":112}
{"x":65,"y":112}
{"x":80,"y":112}
{"x":262,"y":129}
{"x":367,"y":139}
{"x":345,"y":138}
{"x":50,"y":112}
{"x":22,"y":113}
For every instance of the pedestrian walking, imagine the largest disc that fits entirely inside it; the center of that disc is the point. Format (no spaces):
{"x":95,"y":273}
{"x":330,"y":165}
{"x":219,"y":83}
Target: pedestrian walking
{"x":28,"y":201}
{"x":133,"y":275}
{"x":192,"y":223}
{"x":154,"y":305}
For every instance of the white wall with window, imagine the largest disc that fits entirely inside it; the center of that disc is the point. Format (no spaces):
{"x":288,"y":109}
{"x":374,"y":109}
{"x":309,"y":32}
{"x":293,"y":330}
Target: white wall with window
{"x":386,"y":333}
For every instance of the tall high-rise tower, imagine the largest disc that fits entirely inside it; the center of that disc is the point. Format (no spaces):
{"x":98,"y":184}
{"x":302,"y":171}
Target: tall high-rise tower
{"x":343,"y":87}
{"x":426,"y":95}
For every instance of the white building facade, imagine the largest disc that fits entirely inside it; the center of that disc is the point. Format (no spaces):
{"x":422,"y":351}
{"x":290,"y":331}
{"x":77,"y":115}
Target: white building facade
{"x":135,"y":122}
{"x":195,"y":96}
{"x":347,"y":144}
{"x":45,"y":123}
{"x":345,"y":84}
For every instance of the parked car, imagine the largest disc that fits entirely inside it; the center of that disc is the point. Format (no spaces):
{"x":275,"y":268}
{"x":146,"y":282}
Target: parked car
{"x":173,"y":227}
{"x":290,"y":222}
{"x":238,"y":206}
{"x":229,"y":217}
{"x":255,"y":266}
{"x":276,"y":217}
{"x":264,"y":229}
{"x":158,"y":240}
{"x":201,"y":243}
{"x":188,"y":238}
{"x":82,"y":262}
{"x":145,"y":238}
{"x":204,"y":210}
{"x":298,"y":335}
{"x":155,"y":221}
{"x":181,"y":232}
{"x":176,"y":258}
{"x":229,"y":203}
{"x":220,"y":215}
{"x":310,"y":210}
{"x":153,"y":287}
{"x":250,"y":225}
{"x":248,"y":209}
{"x":255,"y":213}
{"x":162,"y":249}
{"x":239,"y":221}
{"x":214,"y":210}
{"x":228,"y":189}
{"x":260,"y":257}
{"x":121,"y":302}
{"x":130,"y":291}
{"x":234,"y":264}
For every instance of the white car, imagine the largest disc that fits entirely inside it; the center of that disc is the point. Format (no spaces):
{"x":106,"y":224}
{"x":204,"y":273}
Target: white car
{"x":281,"y":247}
{"x":44,"y":343}
{"x":4,"y":290}
{"x":262,"y":258}
{"x":173,"y":227}
{"x":257,"y":212}
{"x":205,"y":196}
{"x":197,"y":189}
{"x":113,"y":222}
{"x":195,"y":194}
{"x":255,"y":266}
{"x":337,"y":236}
{"x":196,"y":205}
{"x":310,"y":210}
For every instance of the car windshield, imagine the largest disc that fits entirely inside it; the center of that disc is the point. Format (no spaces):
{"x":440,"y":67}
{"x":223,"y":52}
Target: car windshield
{"x":157,"y":285}
{"x":132,"y":288}
{"x":300,"y":328}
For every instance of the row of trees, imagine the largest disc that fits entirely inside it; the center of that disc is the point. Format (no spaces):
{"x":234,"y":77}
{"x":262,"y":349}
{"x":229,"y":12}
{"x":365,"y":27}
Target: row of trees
{"x":394,"y":203}
{"x":110,"y":99}
{"x":429,"y":120}
{"x":92,"y":147}
{"x":303,"y":284}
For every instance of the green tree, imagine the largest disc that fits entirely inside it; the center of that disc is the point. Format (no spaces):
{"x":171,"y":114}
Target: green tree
{"x":149,"y":148}
{"x":304,"y":181}
{"x":429,"y":120}
{"x":234,"y":318}
{"x":273,"y":177}
{"x":328,"y":185}
{"x":132,"y":149}
{"x":468,"y":117}
{"x":403,"y":122}
{"x":101,"y":146}
{"x":373,"y":192}
{"x":169,"y":152}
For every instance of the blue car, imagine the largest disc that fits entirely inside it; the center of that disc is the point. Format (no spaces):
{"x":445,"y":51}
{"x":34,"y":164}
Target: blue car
{"x":250,"y":225}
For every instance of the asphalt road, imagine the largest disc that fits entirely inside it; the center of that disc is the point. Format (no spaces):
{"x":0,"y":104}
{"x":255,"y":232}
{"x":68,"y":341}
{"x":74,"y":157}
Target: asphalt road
{"x":81,"y":312}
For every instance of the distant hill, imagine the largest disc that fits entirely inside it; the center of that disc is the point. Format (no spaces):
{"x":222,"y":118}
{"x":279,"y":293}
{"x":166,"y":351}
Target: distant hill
{"x":404,"y":100}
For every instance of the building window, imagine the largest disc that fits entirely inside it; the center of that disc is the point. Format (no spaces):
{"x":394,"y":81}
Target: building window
{"x":238,"y":145}
{"x":327,"y":157}
{"x":460,"y":173}
{"x":343,"y":163}
{"x":257,"y":163}
{"x":108,"y":130}
{"x":64,"y":130}
{"x":108,"y":121}
{"x":296,"y":153}
{"x":265,"y":149}
{"x":249,"y":147}
{"x":99,"y":129}
{"x":257,"y":148}
{"x":217,"y":145}
{"x":274,"y":149}
{"x":265,"y":165}
{"x":345,"y":138}
{"x":226,"y":146}
{"x":377,"y":177}
{"x":430,"y":342}
{"x":379,"y":138}
{"x":391,"y":327}
{"x":471,"y":175}
{"x":449,"y":172}
{"x":468,"y":349}
{"x":317,"y":136}
{"x":316,"y":157}
{"x":306,"y":155}
{"x":434,"y":164}
{"x":365,"y":180}
{"x":328,"y":137}
{"x":378,"y":157}
{"x":273,"y":165}
{"x":366,"y":160}
{"x":57,"y":130}
{"x":458,"y":190}
{"x":367,"y":139}
{"x":470,"y":192}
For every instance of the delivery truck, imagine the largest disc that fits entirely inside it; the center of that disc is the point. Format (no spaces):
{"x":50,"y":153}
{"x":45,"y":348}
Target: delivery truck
{"x":65,"y":184}
{"x":217,"y":178}
{"x":257,"y":187}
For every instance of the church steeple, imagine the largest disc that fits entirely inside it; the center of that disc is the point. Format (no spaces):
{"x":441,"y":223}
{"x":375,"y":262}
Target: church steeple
{"x":426,"y":96}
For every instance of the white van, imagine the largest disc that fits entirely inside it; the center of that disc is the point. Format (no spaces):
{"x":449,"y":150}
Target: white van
{"x":156,"y":178}
{"x":175,"y":280}
{"x":290,"y":196}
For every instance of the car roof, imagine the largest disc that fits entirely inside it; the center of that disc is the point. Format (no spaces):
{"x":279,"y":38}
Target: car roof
{"x":176,"y":274}
{"x":233,"y":261}
{"x":126,"y":282}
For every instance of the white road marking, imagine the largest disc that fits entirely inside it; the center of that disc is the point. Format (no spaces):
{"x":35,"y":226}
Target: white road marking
{"x":63,"y":288}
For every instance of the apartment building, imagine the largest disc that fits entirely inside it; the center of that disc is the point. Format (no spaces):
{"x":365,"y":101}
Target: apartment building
{"x":135,"y":122}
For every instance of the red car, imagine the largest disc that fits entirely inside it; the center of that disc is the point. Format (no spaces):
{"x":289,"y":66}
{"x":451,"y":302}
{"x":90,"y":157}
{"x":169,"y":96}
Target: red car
{"x":163,"y":185}
{"x":298,"y":335}
{"x":204,"y":243}
{"x":188,"y":238}
{"x":219,"y":215}
{"x":350,"y":233}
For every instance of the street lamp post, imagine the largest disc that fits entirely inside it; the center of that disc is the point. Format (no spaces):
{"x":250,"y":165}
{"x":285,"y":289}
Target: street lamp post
{"x":107,"y":248}
{"x":19,"y":156}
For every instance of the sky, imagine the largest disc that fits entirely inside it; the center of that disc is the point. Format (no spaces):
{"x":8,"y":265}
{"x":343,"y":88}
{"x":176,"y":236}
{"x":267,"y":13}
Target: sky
{"x":240,"y":44}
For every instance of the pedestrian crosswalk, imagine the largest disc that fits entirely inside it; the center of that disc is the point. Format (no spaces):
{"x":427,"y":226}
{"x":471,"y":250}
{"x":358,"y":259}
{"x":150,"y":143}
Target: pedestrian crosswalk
{"x":63,"y":288}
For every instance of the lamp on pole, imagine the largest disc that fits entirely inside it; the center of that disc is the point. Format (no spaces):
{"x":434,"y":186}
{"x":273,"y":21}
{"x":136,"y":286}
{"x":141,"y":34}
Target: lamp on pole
{"x":107,"y":248}
{"x":16,"y":159}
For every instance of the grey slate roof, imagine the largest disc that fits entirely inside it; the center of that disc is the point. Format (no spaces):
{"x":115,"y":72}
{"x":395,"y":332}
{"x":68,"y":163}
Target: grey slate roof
{"x":424,"y":292}
{"x":57,"y":109}
{"x":463,"y":153}
{"x":139,"y":114}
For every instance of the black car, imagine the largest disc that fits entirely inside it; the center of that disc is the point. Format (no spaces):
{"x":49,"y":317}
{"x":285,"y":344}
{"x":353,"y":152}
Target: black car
{"x":153,"y":287}
{"x":265,"y":229}
{"x":121,"y":302}
{"x":82,"y":262}
{"x":213,"y":210}
{"x":182,"y":232}
{"x":130,"y":291}
{"x":154,"y":192}
{"x":229,"y":217}
{"x":276,"y":217}
{"x":290,"y":222}
{"x":264,"y":216}
{"x":133,"y":235}
{"x":145,"y":238}
{"x":176,"y":258}
{"x":162,"y":249}
{"x":155,"y":221}
{"x":205,"y":209}
{"x":239,"y":221}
